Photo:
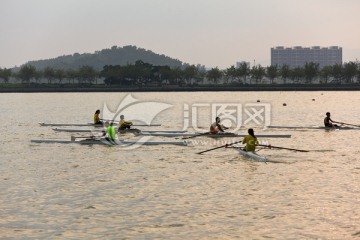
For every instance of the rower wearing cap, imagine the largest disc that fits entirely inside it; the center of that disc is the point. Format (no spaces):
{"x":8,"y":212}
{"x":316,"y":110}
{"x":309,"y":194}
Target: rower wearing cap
{"x":216,"y":127}
{"x":328,"y":122}
{"x":250,"y":141}
{"x":97,"y":117}
{"x":123,"y":125}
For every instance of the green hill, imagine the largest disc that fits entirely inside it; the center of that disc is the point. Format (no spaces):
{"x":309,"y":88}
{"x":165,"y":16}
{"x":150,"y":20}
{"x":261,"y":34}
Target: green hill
{"x":113,"y":56}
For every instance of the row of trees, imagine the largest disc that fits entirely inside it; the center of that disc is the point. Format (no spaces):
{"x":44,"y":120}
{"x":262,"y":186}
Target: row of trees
{"x":142,"y":73}
{"x":85,"y":74}
{"x":346,"y":73}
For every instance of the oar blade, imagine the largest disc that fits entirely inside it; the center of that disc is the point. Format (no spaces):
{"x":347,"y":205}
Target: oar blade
{"x":348,"y":124}
{"x":226,"y":145}
{"x":210,"y":150}
{"x":73,"y":138}
{"x":285,"y":148}
{"x":201,"y":134}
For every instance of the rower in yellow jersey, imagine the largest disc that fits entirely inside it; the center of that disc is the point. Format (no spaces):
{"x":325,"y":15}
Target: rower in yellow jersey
{"x":250,"y":141}
{"x":123,"y":125}
{"x":97,"y":117}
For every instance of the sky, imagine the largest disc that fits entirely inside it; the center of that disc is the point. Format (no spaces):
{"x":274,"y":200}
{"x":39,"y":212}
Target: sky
{"x":214,"y":33}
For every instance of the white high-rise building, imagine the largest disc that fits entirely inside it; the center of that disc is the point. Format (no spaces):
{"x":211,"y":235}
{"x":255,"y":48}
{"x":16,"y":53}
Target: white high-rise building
{"x":299,"y":56}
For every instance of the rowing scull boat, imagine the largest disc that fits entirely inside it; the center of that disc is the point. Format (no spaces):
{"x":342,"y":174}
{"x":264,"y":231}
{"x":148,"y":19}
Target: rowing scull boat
{"x":175,"y":133}
{"x":92,"y":125}
{"x":90,"y":141}
{"x":218,"y":135}
{"x":252,"y":155}
{"x":314,"y":127}
{"x":122,"y":131}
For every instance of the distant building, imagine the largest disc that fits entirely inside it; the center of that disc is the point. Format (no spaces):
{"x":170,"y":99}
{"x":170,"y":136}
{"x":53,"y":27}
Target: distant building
{"x":238,"y":64}
{"x":298,"y":56}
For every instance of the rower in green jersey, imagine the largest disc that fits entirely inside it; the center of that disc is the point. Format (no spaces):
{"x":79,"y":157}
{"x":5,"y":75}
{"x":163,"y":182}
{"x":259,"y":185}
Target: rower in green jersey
{"x":250,"y":141}
{"x":109,"y":133}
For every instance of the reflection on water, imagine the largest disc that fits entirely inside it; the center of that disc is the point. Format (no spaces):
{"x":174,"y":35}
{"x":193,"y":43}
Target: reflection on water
{"x":61,"y":191}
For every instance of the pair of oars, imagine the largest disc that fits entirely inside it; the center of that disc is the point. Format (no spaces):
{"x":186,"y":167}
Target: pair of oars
{"x":348,"y":124}
{"x":134,"y":125}
{"x":268,"y":146}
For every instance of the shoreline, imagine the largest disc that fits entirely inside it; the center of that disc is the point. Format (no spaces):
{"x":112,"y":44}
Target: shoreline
{"x":180,"y":89}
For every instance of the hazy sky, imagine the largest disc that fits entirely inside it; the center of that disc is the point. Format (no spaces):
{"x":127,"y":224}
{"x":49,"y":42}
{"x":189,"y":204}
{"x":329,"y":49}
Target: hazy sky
{"x":209,"y":32}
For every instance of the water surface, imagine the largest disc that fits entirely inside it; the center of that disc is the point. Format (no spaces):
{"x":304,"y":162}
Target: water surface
{"x":72,"y":191}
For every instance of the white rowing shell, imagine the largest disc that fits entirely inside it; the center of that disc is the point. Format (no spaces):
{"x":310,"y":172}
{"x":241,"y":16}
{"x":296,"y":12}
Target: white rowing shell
{"x":314,"y":127}
{"x":251,"y":155}
{"x":123,"y":131}
{"x":92,"y":125}
{"x":104,"y":142}
{"x":219,"y":135}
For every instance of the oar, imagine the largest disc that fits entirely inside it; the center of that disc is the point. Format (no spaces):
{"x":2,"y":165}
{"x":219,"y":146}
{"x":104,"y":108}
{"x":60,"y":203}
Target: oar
{"x":74,"y":137}
{"x":109,"y":120}
{"x":201,"y":134}
{"x":292,"y":149}
{"x":348,"y":124}
{"x":134,"y":125}
{"x":226,"y":145}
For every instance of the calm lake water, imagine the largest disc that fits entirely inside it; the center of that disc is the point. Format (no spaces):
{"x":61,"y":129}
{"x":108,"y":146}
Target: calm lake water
{"x":73,"y":191}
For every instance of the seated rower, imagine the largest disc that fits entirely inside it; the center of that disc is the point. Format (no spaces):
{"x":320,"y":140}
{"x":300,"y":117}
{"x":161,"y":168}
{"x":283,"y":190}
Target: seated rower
{"x":124,"y":125}
{"x":216,"y":127}
{"x":328,"y":122}
{"x":109,"y":133}
{"x":97,"y":117}
{"x":250,"y":141}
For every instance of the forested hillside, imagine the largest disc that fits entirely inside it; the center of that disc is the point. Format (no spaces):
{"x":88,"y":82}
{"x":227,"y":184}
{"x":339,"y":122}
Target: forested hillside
{"x":113,"y":56}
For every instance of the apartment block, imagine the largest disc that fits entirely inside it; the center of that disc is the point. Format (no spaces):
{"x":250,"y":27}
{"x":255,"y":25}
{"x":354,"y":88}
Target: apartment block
{"x":299,"y":56}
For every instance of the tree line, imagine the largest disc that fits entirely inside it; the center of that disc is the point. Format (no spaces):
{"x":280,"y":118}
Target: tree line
{"x":142,"y":73}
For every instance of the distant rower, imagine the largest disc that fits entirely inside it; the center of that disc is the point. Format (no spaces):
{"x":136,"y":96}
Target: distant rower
{"x":97,"y":117}
{"x":216,"y":127}
{"x":328,"y":122}
{"x":123,"y":125}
